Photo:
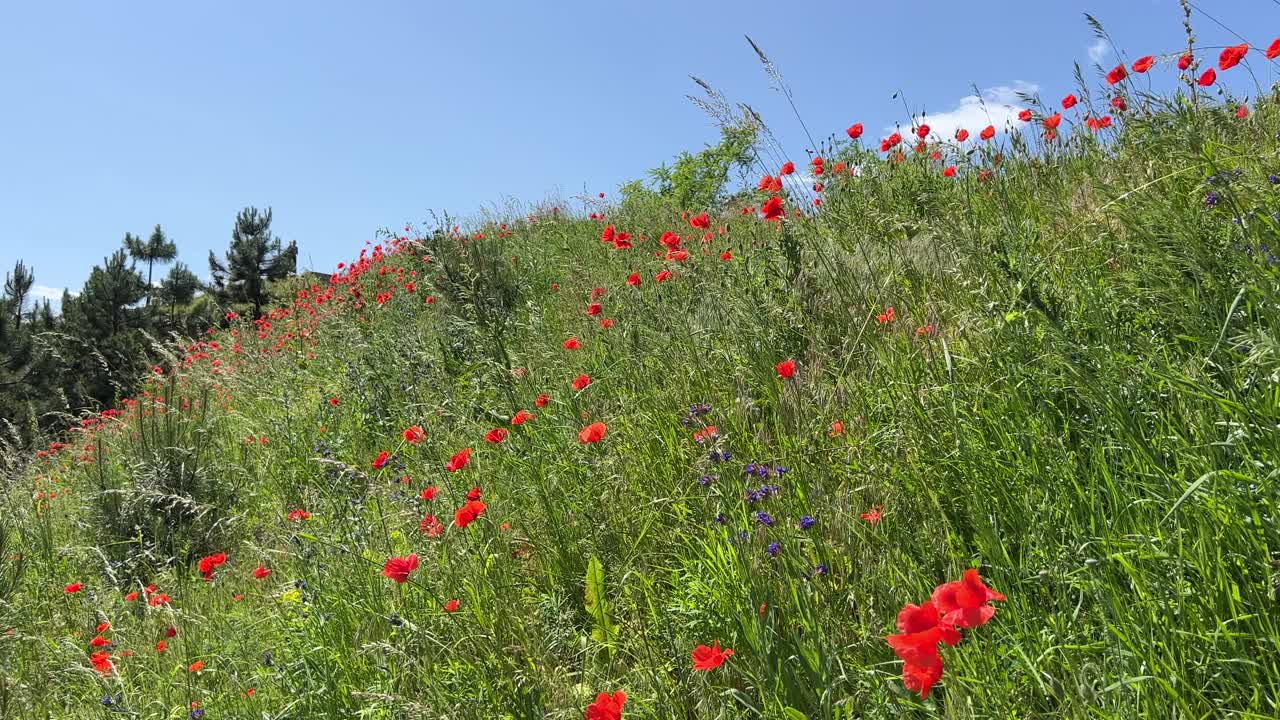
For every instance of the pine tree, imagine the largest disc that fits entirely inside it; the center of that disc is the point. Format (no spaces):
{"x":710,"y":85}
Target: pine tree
{"x":16,"y":286}
{"x":157,"y":248}
{"x":254,"y":259}
{"x":178,"y":288}
{"x":107,"y":323}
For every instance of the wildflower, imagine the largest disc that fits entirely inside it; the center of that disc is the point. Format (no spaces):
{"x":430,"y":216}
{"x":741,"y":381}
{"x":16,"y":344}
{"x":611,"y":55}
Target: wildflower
{"x":788,"y":167}
{"x":1232,"y":56}
{"x":873,"y":515}
{"x":496,"y":435}
{"x":1211,"y":199}
{"x":414,"y":435}
{"x":607,"y":707}
{"x":950,"y":171}
{"x":333,"y":401}
{"x":821,"y":569}
{"x":594,"y":309}
{"x":765,"y":519}
{"x":1052,"y":122}
{"x":1184,"y":62}
{"x":964,"y":603}
{"x":380,"y":461}
{"x":772,"y":208}
{"x":261,"y":572}
{"x":1208,"y":78}
{"x":592,"y":433}
{"x":541,"y":400}
{"x":73,"y":588}
{"x":130,"y":597}
{"x":707,"y":659}
{"x":103,"y":627}
{"x":837,"y":428}
{"x":451,"y":606}
{"x":1119,"y":103}
{"x":99,"y":641}
{"x":459,"y":460}
{"x":962,"y":135}
{"x":786,"y":369}
{"x":807,"y":522}
{"x":726,"y":255}
{"x":431,"y":526}
{"x":1025,"y":115}
{"x":988,"y":132}
{"x":572,"y":344}
{"x":196,"y":666}
{"x":161,"y":646}
{"x":1143,"y":63}
{"x":922,"y":132}
{"x":468,"y":513}
{"x":774,"y":548}
{"x":1117,"y":74}
{"x":854,"y":131}
{"x":101,"y":661}
{"x":1242,"y":112}
{"x":581,"y":382}
{"x":634,"y":280}
{"x":1069,"y":102}
{"x":429,"y":492}
{"x":700,"y":221}
{"x":662,"y":276}
{"x":209,"y":562}
{"x":298,"y":515}
{"x":158,"y":599}
{"x":398,"y":568}
{"x":1273,"y":50}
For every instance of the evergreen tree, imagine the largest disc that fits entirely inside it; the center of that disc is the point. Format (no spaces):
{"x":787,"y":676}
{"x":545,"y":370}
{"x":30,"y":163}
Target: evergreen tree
{"x":105,"y":319}
{"x":178,"y":289}
{"x":254,"y":259}
{"x":28,"y":373}
{"x":16,"y":286}
{"x":157,"y":248}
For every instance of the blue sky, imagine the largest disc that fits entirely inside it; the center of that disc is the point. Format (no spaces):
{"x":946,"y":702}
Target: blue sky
{"x":349,"y":117}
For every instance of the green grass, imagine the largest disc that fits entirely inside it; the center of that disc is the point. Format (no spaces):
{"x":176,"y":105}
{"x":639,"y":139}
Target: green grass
{"x":1092,"y":423}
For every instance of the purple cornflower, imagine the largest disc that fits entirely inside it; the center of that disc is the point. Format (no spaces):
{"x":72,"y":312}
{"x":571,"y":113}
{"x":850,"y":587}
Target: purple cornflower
{"x":807,"y":522}
{"x":764,"y":518}
{"x":775,"y":548}
{"x":706,"y":480}
{"x":1211,"y":199}
{"x":721,"y":519}
{"x":820,"y":570}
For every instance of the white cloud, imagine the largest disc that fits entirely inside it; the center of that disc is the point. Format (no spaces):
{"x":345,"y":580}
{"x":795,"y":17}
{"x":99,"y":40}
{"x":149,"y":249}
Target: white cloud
{"x":1098,"y":50}
{"x":998,"y":106}
{"x":44,"y":292}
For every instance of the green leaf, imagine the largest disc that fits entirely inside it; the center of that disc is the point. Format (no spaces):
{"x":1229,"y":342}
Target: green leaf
{"x":597,"y":605}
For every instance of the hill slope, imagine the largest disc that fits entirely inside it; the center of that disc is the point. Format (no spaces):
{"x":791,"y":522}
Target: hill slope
{"x":1058,"y":367}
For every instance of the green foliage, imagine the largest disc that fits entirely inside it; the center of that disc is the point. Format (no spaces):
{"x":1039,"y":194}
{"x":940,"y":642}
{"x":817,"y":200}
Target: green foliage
{"x":254,"y":259}
{"x":696,"y":181}
{"x":597,"y":604}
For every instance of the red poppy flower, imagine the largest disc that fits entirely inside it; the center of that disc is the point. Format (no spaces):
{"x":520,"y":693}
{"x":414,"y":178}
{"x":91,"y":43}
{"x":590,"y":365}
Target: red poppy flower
{"x":1117,"y":74}
{"x":662,"y":276}
{"x":99,"y":641}
{"x":1242,"y":112}
{"x":1025,"y":115}
{"x":592,"y":433}
{"x":922,"y":132}
{"x":1273,"y":50}
{"x":962,"y":135}
{"x":837,"y":428}
{"x":1119,"y":103}
{"x":414,"y":435}
{"x":429,"y":492}
{"x":451,"y":606}
{"x":1143,"y":63}
{"x":496,"y":435}
{"x":431,"y":526}
{"x":707,"y":659}
{"x":921,"y":677}
{"x":772,"y":208}
{"x":726,"y":255}
{"x":459,"y":460}
{"x":765,"y":183}
{"x":161,"y":646}
{"x":1208,"y":78}
{"x":634,"y":279}
{"x":196,"y":666}
{"x":101,"y":661}
{"x":606,"y":235}
{"x":398,"y":568}
{"x":786,"y":368}
{"x":594,"y":309}
{"x":581,"y":382}
{"x":607,"y":707}
{"x":1184,"y":62}
{"x":950,"y":171}
{"x":988,"y":132}
{"x":467,"y":514}
{"x":521,"y":417}
{"x":873,"y":515}
{"x":700,"y":221}
{"x":854,"y":131}
{"x":606,"y":323}
{"x":297,"y":515}
{"x":333,"y":401}
{"x":541,"y":400}
{"x":158,"y":599}
{"x":381,"y":460}
{"x":920,"y":629}
{"x":1053,"y":121}
{"x":74,"y":587}
{"x":964,"y":602}
{"x":1232,"y":56}
{"x":261,"y":572}
{"x":474,"y":493}
{"x":788,"y":167}
{"x":1069,"y":102}
{"x":131,"y":597}
{"x":103,"y":627}
{"x":678,"y":255}
{"x":572,"y":344}
{"x":209,"y":562}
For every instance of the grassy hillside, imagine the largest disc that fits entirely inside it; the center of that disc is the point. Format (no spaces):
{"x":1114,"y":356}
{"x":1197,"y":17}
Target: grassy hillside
{"x":1056,"y":366}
